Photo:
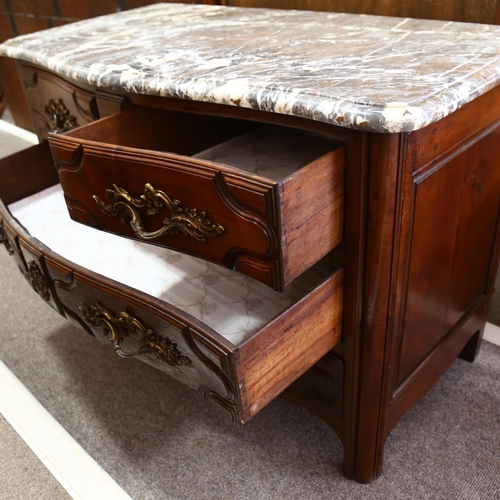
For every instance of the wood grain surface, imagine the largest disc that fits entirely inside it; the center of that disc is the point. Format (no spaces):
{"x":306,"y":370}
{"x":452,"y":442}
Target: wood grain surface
{"x":477,"y":11}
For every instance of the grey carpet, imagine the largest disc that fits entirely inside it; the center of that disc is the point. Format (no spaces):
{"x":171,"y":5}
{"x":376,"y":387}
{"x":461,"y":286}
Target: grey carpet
{"x":159,"y":440}
{"x":22,"y":475}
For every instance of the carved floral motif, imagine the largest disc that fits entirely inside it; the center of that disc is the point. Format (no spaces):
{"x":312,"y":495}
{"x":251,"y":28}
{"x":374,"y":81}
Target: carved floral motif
{"x":59,"y":117}
{"x":6,"y":241}
{"x":39,"y":281}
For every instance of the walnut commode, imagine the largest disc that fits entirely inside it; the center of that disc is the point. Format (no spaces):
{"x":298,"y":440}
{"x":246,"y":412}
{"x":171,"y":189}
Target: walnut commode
{"x":355,"y":203}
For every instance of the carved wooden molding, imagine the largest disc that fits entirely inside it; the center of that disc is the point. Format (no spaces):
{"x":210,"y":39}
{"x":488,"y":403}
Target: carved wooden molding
{"x":229,"y":402}
{"x":126,"y":326}
{"x":74,"y":165}
{"x":188,"y":221}
{"x":39,"y":282}
{"x":30,"y":77}
{"x":80,"y":212}
{"x":59,"y":118}
{"x":236,"y":258}
{"x":6,"y":241}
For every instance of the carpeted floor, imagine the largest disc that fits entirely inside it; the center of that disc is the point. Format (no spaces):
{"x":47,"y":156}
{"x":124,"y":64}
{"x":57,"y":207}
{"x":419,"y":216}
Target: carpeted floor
{"x":159,"y":440}
{"x":22,"y":475}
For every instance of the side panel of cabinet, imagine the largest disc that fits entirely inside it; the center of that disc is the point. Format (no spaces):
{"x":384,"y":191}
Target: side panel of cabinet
{"x":456,"y":205}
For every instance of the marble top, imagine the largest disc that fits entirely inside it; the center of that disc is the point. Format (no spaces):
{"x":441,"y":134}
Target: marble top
{"x":372,"y":73}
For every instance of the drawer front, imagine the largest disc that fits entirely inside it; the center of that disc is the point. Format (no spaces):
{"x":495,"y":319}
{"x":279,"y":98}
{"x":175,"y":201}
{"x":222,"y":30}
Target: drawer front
{"x":29,"y":258}
{"x":158,"y":336}
{"x":55,"y":104}
{"x":240,"y":379}
{"x":170,"y":203}
{"x":269,"y":230}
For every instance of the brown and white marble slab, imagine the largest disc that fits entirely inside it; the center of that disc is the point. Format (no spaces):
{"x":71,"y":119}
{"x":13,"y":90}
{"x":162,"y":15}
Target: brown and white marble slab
{"x":373,"y":73}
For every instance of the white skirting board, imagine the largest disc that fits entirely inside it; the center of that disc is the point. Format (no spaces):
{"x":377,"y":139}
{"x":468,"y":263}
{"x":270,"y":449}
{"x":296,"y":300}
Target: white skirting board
{"x":77,"y":472}
{"x":492,"y":334}
{"x":25,"y":135}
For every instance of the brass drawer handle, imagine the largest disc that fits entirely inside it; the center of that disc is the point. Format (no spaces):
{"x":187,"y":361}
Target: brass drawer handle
{"x":188,"y":221}
{"x":125,"y":326}
{"x":60,"y":119}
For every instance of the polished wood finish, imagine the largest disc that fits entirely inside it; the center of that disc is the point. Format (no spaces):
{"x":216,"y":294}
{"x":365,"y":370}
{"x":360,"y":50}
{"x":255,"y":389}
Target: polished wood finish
{"x":240,"y":380}
{"x":474,"y":11}
{"x":38,"y":173}
{"x":420,"y":250}
{"x":451,"y":250}
{"x":41,"y":88}
{"x":109,"y":104}
{"x":13,"y":94}
{"x":273,"y":230}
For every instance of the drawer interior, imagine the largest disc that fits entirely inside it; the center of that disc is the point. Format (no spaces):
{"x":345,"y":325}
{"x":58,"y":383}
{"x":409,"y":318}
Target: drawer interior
{"x":36,"y":174}
{"x":233,"y":305}
{"x":268,"y":151}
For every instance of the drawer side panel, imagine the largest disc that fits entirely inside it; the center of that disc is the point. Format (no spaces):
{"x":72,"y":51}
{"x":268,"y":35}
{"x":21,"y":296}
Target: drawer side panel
{"x":312,"y":213}
{"x":271,"y":360}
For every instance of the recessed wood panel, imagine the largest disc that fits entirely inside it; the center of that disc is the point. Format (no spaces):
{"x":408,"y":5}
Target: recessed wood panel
{"x":479,"y":210}
{"x":456,"y":211}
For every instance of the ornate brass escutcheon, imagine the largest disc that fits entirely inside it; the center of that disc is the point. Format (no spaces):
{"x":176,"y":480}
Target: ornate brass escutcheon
{"x":126,"y":326}
{"x":39,"y":281}
{"x":59,"y":117}
{"x":5,"y":241}
{"x":188,"y":221}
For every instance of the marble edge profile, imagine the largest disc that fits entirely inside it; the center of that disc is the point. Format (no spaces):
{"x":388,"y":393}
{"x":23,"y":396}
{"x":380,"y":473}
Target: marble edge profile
{"x":392,"y":117}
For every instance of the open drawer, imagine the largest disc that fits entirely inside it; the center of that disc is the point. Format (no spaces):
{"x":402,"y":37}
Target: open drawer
{"x":265,"y":201}
{"x":196,"y":339}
